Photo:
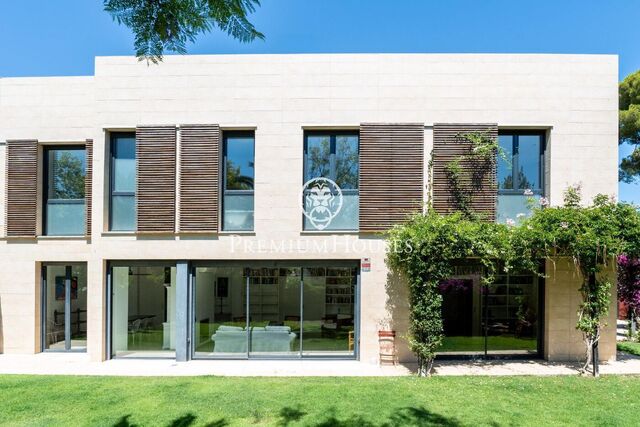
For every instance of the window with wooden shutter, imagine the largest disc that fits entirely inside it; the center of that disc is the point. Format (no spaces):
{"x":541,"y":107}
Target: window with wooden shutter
{"x":199,"y":178}
{"x":22,"y":188}
{"x":88,"y":184}
{"x":391,"y":173}
{"x":449,"y":144}
{"x":156,"y":179}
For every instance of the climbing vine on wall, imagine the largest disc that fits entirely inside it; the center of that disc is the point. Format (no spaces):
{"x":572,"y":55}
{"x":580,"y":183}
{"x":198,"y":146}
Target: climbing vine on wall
{"x":467,"y":173}
{"x":426,"y":248}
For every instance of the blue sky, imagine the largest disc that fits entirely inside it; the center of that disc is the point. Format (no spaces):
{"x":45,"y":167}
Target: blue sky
{"x":62,"y":37}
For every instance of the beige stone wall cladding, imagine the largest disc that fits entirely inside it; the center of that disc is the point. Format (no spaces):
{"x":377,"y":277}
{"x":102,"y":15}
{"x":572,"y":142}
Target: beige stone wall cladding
{"x":573,"y":96}
{"x":562,"y":341}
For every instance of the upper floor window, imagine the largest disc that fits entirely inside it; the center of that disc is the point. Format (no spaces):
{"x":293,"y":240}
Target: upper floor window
{"x":64,"y":174}
{"x":333,"y":155}
{"x":123,"y":182}
{"x":238,"y":176}
{"x":521,"y":174}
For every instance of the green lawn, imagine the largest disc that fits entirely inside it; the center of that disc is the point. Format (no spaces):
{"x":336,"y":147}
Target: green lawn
{"x":630,"y":347}
{"x":405,"y":401}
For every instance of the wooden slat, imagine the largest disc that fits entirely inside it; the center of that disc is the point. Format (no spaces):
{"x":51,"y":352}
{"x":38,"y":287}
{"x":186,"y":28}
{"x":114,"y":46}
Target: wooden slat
{"x":88,"y":184}
{"x":449,"y":144}
{"x":22,"y":188}
{"x":199,"y":177}
{"x":391,"y":173}
{"x":156,"y":180}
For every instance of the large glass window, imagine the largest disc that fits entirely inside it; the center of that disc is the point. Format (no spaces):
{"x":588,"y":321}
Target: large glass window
{"x":292,"y":311}
{"x":520,"y":173}
{"x":498,"y":319}
{"x":123,"y":182}
{"x":64,"y":308}
{"x":332,"y":155}
{"x":328,"y":315}
{"x":65,"y":208}
{"x":220,"y":312}
{"x":237,"y":203}
{"x":143,"y":310}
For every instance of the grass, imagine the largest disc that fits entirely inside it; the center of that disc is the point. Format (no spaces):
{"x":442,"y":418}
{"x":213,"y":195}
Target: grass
{"x":629,"y":347}
{"x":218,"y":401}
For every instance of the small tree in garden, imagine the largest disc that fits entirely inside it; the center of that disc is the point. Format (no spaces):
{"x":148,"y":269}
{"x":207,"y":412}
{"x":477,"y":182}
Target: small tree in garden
{"x":592,"y":237}
{"x":427,"y":247}
{"x":629,"y":284}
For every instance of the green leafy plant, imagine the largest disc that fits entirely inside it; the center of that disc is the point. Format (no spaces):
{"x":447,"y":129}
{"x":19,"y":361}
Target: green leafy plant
{"x":467,"y":173}
{"x":427,"y":247}
{"x":425,"y":250}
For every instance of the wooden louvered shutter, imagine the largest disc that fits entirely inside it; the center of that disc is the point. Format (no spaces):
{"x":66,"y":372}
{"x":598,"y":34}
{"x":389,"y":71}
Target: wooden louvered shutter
{"x":391,"y":173}
{"x":22,"y":188}
{"x":199,"y":178}
{"x":88,"y":184}
{"x":156,"y":180}
{"x":448,"y":144}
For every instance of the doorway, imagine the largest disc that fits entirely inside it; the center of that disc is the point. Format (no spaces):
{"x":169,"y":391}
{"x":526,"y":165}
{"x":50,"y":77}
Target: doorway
{"x":502,"y":319}
{"x":142,"y":310}
{"x":64,"y":307}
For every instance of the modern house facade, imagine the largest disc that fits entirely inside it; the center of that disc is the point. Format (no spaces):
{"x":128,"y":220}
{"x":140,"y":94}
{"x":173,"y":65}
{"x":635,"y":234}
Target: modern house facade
{"x":234,"y":206}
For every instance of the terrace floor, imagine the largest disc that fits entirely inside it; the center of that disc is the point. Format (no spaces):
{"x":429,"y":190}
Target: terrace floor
{"x":79,"y":364}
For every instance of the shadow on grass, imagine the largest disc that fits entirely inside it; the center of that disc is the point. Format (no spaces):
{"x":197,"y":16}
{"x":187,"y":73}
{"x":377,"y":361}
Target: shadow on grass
{"x":408,"y":416}
{"x":186,"y":420}
{"x":124,"y":422}
{"x":183,"y":421}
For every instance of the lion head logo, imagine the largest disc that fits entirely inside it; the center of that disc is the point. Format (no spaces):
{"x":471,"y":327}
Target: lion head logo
{"x":321,"y":201}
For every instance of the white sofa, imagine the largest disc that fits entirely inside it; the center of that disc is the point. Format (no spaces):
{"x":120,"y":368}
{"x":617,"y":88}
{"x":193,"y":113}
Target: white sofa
{"x":268,"y":339}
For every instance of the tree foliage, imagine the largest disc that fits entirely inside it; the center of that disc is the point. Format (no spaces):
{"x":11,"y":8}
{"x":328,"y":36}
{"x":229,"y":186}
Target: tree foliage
{"x":168,"y":25}
{"x":69,"y":177}
{"x":629,"y":95}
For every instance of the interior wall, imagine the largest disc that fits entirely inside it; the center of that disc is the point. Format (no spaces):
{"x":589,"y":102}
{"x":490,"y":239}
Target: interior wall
{"x":205,"y":296}
{"x":53,"y":304}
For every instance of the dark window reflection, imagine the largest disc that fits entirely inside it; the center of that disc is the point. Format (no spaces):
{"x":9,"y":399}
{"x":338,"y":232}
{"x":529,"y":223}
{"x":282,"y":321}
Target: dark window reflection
{"x":64,"y":189}
{"x":240,"y":162}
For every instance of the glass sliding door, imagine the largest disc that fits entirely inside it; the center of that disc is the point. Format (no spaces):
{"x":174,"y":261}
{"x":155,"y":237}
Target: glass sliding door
{"x":64,"y":307}
{"x":274,"y":310}
{"x":143,"y":310}
{"x":512,"y":315}
{"x":274,"y":302}
{"x":500,"y":319}
{"x":329,"y":311}
{"x":462,"y":316}
{"x":219,"y":312}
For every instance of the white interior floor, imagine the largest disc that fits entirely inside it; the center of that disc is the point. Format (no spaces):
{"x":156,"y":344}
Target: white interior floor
{"x":79,"y":364}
